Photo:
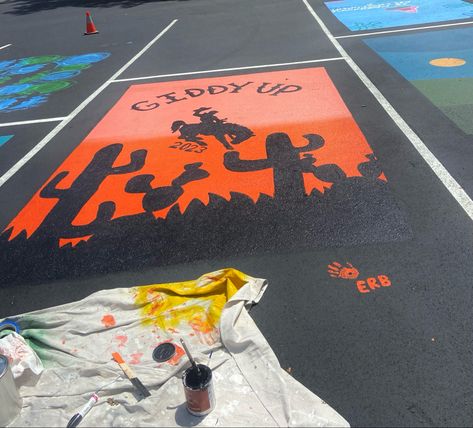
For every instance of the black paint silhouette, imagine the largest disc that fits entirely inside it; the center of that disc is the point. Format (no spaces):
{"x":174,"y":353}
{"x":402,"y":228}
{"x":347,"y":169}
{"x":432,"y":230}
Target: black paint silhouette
{"x":353,"y":211}
{"x":284,"y":159}
{"x":371,"y":168}
{"x":210,"y":124}
{"x":71,"y":200}
{"x":162,"y":197}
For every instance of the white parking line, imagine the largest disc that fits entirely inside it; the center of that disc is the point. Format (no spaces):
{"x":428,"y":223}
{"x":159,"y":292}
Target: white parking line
{"x":5,"y":46}
{"x":29,"y":122}
{"x":442,"y":173}
{"x":219,"y":70}
{"x":402,"y":30}
{"x":15,"y":168}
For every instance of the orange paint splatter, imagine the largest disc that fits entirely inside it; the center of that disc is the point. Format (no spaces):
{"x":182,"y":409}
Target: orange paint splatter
{"x":108,"y":321}
{"x":122,"y":340}
{"x":177,"y":356}
{"x":200,"y":325}
{"x":136,"y":358}
{"x":212,"y":278}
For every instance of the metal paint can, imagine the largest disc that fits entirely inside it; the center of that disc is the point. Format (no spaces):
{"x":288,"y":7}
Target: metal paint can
{"x":199,"y":390}
{"x":10,"y":401}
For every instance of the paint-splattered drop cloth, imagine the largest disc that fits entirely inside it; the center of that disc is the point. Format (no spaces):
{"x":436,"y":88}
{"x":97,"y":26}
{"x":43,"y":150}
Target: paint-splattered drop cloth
{"x":75,"y":342}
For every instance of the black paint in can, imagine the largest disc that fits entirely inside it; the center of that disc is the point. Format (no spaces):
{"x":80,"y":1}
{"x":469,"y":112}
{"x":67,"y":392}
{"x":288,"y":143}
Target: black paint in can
{"x":199,"y":391}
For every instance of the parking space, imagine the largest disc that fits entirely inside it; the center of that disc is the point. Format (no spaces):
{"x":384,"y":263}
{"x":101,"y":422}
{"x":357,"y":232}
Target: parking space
{"x":16,"y":141}
{"x":432,"y":104}
{"x":264,"y":35}
{"x":362,"y":15}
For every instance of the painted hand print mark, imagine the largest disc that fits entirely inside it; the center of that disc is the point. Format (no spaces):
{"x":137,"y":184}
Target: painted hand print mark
{"x":336,"y":270}
{"x":210,"y":124}
{"x":349,"y":272}
{"x":26,"y":83}
{"x":131,"y":196}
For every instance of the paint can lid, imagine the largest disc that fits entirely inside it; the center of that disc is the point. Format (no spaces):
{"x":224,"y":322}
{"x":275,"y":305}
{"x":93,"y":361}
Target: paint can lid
{"x":164,"y":352}
{"x":3,"y":365}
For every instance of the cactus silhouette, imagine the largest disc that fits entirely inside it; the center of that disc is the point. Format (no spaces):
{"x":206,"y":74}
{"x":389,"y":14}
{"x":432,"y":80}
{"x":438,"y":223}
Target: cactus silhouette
{"x":331,"y":173}
{"x":371,"y":168}
{"x":104,"y":215}
{"x":71,"y":200}
{"x":284,"y":159}
{"x":162,"y":197}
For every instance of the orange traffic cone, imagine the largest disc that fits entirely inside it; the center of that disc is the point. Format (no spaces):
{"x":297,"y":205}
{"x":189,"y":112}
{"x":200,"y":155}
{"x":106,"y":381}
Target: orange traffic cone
{"x":90,"y":26}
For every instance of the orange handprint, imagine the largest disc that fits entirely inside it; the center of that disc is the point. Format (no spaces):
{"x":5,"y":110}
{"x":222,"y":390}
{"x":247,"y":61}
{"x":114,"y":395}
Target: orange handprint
{"x":336,"y":270}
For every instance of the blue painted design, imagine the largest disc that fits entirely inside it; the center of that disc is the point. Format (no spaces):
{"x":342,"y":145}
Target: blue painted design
{"x":4,"y":139}
{"x":6,"y":64}
{"x":410,"y":54}
{"x":27,"y":69}
{"x":6,"y":103}
{"x":28,"y":102}
{"x":84,"y":59}
{"x":371,"y":14}
{"x":60,"y":75}
{"x":14,"y":89}
{"x":27,"y":78}
{"x":447,"y":84}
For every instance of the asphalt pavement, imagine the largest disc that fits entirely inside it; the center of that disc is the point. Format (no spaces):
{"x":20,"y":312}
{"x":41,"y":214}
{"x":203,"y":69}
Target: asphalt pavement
{"x":351,"y":191}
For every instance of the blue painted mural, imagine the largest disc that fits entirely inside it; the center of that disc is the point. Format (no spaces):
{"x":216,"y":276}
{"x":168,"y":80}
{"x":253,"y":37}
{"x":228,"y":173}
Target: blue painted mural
{"x":439,"y":64}
{"x":360,"y":15}
{"x":4,"y":139}
{"x":26,"y":83}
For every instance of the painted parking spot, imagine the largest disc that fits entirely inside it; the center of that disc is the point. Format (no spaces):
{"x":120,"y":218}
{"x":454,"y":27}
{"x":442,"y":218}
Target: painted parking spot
{"x":360,"y":15}
{"x":439,"y":64}
{"x":27,"y":83}
{"x":178,"y":171}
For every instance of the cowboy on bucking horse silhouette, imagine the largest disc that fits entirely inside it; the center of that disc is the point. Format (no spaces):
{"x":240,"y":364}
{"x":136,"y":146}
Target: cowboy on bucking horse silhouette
{"x":210,"y":124}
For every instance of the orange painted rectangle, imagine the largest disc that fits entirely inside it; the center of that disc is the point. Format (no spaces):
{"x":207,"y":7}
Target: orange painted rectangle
{"x":197,"y":168}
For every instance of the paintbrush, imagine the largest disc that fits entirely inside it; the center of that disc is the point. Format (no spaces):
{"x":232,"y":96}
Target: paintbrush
{"x":131,"y":375}
{"x":194,"y":365}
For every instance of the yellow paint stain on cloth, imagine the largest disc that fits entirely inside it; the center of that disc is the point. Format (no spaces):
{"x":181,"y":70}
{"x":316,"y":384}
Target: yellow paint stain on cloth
{"x":197,"y":304}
